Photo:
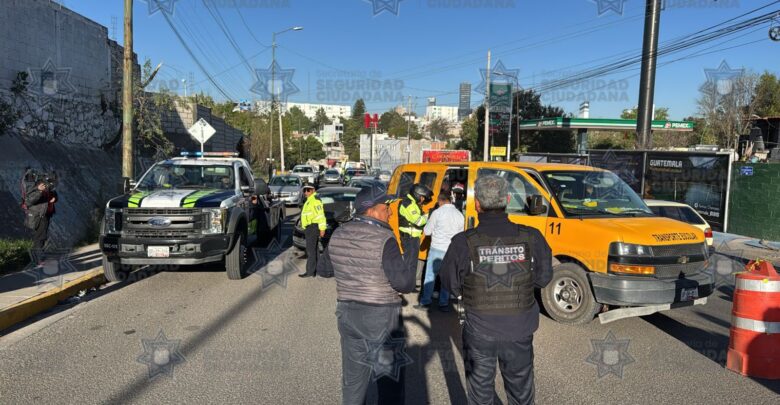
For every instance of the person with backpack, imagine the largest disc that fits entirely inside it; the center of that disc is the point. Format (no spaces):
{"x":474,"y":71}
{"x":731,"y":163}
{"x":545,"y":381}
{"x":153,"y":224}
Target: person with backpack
{"x":39,"y":202}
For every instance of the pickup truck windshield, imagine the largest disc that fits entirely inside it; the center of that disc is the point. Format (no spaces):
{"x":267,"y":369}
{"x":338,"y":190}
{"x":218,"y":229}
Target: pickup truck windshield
{"x":172,"y":176}
{"x":286,"y":181}
{"x":303,"y":169}
{"x":583,"y":193}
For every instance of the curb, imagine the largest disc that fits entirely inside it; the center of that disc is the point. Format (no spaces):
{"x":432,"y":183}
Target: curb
{"x":35,"y":305}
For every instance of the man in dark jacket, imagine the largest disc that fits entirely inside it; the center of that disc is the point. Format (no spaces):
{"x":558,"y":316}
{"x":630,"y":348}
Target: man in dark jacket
{"x":39,"y":201}
{"x":495,"y":268}
{"x":370,"y":273}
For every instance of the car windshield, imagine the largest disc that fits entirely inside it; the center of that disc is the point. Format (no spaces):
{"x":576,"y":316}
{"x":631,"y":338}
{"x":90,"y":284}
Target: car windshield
{"x":336,"y":172}
{"x":585,"y":193}
{"x":173,"y":176}
{"x":286,"y":181}
{"x":337,"y":197}
{"x":303,"y":169}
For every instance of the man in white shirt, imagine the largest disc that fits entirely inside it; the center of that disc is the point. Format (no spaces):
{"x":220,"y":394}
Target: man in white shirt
{"x":444,"y":223}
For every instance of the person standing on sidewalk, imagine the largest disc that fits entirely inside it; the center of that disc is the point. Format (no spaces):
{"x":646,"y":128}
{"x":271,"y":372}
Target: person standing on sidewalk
{"x":445,"y":222}
{"x":370,"y":272}
{"x":39,"y":201}
{"x":314,"y":224}
{"x":411,"y":220}
{"x":496,"y":267}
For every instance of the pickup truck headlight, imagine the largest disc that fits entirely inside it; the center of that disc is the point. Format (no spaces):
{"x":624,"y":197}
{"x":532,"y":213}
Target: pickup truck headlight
{"x":215,"y":220}
{"x":113,"y":220}
{"x":629,"y":249}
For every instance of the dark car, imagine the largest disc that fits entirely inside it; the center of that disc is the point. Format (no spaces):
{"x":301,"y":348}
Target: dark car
{"x":365,"y":182}
{"x":350,"y":173}
{"x":337,"y":203}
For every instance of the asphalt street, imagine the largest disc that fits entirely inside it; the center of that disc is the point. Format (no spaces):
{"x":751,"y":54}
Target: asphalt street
{"x":272,"y":339}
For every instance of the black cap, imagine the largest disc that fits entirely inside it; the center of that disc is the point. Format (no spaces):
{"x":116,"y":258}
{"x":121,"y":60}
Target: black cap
{"x":371,"y":196}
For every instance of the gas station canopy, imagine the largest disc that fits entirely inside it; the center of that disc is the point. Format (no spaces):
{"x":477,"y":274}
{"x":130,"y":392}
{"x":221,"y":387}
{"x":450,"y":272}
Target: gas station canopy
{"x":601,"y":124}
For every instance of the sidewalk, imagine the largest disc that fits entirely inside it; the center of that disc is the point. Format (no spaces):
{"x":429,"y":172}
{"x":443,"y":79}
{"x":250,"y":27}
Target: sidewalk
{"x":744,"y":247}
{"x":63,"y":274}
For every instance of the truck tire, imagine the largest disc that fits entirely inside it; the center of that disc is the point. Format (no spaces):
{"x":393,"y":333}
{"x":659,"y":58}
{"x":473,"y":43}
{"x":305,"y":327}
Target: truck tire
{"x":235,"y":260}
{"x":114,"y":271}
{"x":568,"y":298}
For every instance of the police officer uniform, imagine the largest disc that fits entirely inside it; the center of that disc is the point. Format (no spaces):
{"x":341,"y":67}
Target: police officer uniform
{"x":411,"y":220}
{"x":495,"y":268}
{"x":313,"y":222}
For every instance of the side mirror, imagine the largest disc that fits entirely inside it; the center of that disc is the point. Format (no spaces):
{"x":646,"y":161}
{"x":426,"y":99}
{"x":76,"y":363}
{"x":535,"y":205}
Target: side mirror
{"x":247,"y":190}
{"x":536,"y":205}
{"x":261,"y":187}
{"x":128,"y":184}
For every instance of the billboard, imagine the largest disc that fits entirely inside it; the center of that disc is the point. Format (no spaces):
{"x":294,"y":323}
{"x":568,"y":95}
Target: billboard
{"x":445,"y":156}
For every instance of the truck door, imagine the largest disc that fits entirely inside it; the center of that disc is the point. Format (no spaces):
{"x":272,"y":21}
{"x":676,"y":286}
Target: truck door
{"x":522,"y":189}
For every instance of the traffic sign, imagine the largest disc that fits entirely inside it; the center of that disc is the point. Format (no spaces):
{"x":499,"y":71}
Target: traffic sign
{"x":201,"y":131}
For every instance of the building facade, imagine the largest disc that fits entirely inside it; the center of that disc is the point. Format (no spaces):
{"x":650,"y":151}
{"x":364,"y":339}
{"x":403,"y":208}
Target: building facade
{"x":449,"y":114}
{"x":333,"y":111}
{"x":464,"y":101}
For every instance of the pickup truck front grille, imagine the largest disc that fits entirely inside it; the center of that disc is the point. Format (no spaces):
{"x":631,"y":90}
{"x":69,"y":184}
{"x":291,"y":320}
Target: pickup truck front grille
{"x":184,"y":222}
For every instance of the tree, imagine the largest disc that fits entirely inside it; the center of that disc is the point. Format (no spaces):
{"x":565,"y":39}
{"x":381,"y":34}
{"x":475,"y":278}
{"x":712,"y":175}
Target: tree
{"x":727,"y":108}
{"x":147,"y":113}
{"x":359,"y":110}
{"x":321,"y":119}
{"x":303,"y":149}
{"x":661,"y":114}
{"x":528,"y":106}
{"x":767,"y":95}
{"x":468,"y":136}
{"x":298,"y":120}
{"x":438,"y":128}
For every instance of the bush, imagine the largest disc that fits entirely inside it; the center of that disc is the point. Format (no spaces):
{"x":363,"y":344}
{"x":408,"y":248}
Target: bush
{"x":14,"y":254}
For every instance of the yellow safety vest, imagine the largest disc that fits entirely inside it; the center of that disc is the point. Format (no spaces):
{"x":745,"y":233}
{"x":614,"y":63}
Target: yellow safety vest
{"x":411,"y":218}
{"x":313,"y":213}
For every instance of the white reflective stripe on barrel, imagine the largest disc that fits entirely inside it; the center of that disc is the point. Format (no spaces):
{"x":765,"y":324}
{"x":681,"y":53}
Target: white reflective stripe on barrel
{"x":758,"y":285}
{"x":754,"y":325}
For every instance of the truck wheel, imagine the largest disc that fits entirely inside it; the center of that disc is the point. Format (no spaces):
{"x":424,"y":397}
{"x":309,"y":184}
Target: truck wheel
{"x":114,"y":271}
{"x":568,"y":298}
{"x":235,"y":260}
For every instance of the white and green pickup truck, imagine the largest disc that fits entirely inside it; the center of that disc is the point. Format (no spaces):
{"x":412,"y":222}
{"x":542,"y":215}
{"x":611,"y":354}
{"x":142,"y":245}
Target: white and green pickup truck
{"x":195,"y":209}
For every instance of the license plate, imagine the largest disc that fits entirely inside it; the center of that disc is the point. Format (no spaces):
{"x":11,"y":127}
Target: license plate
{"x":158,"y":251}
{"x":689,"y":294}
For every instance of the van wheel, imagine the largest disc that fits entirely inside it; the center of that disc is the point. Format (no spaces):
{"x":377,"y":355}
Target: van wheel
{"x":114,"y":271}
{"x":568,"y":298}
{"x":235,"y":260}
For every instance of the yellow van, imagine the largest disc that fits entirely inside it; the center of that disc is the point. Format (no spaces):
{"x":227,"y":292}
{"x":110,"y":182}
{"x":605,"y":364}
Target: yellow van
{"x":610,"y":250}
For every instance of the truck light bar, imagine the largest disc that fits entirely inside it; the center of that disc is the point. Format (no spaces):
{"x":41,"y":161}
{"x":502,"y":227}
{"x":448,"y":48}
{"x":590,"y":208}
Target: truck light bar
{"x":209,"y":154}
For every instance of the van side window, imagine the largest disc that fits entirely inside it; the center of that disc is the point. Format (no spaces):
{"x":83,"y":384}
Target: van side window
{"x":405,"y":184}
{"x":520,"y":191}
{"x":428,"y":179}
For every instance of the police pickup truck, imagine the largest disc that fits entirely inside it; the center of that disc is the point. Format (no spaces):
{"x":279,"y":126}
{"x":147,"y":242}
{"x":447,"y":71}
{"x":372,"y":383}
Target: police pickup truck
{"x":199,"y":208}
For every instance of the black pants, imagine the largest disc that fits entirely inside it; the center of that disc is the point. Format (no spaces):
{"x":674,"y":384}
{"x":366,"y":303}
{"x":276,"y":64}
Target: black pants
{"x":515,"y":360}
{"x":312,"y":233}
{"x":411,"y":248}
{"x":363,"y":329}
{"x":41,"y":233}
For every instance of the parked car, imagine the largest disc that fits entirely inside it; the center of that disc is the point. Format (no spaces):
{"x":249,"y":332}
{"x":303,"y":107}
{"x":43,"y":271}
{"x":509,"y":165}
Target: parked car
{"x":350,"y":173}
{"x":307,"y":173}
{"x":384,"y":176}
{"x":332,"y":176}
{"x":364,"y":182}
{"x":337,"y":203}
{"x":288,"y":189}
{"x":681,"y":212}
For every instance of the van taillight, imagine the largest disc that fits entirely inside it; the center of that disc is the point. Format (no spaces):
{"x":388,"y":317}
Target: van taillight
{"x":708,"y":233}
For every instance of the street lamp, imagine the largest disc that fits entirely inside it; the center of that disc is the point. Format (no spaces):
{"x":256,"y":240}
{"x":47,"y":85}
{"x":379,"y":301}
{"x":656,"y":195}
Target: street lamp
{"x":273,"y":94}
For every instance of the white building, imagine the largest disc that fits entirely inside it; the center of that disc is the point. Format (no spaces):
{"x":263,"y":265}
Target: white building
{"x":333,"y":111}
{"x":331,"y":133}
{"x":449,"y":114}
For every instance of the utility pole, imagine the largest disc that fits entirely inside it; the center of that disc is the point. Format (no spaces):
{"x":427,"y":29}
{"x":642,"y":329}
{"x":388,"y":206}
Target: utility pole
{"x":273,"y":94}
{"x":644,"y":121}
{"x":485,"y":151}
{"x":409,"y":132}
{"x":127,"y":95}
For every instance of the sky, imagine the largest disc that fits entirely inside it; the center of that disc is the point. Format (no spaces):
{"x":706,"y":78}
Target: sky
{"x":426,"y":48}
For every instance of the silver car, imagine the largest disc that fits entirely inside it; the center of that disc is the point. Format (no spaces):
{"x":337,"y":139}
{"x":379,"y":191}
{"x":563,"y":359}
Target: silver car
{"x":307,"y":173}
{"x":288,"y":189}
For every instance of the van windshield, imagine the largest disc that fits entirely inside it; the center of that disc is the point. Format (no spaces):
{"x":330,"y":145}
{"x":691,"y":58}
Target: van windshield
{"x":600,"y":193}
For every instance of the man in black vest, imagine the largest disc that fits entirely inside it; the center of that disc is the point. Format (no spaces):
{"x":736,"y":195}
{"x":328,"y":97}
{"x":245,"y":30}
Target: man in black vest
{"x":370,"y":272}
{"x":495,"y":268}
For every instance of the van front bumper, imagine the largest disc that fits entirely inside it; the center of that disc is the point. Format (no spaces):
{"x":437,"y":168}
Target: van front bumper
{"x":625,"y":290}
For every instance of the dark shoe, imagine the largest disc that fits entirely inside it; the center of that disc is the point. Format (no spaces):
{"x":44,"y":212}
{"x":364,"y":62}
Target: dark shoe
{"x":421,"y":307}
{"x":445,"y":308}
{"x":304,"y":275}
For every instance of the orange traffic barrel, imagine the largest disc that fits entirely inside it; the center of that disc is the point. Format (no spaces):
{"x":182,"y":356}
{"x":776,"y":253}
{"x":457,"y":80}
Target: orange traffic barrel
{"x":754,"y":345}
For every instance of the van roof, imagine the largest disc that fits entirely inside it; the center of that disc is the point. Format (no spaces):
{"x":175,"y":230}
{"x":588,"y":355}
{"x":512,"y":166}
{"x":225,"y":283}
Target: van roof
{"x":542,"y":167}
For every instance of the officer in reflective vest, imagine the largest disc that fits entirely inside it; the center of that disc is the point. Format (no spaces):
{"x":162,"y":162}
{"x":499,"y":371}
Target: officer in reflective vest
{"x":411,"y":220}
{"x":495,"y":268}
{"x":314,"y":224}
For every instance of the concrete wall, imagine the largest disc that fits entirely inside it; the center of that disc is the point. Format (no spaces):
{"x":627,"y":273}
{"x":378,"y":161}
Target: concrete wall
{"x":754,"y":207}
{"x":176,"y":123}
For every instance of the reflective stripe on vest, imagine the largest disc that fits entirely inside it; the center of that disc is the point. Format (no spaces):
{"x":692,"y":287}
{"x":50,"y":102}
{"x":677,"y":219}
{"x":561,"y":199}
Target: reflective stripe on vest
{"x":313,"y":213}
{"x":410,"y":217}
{"x":502,"y":279}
